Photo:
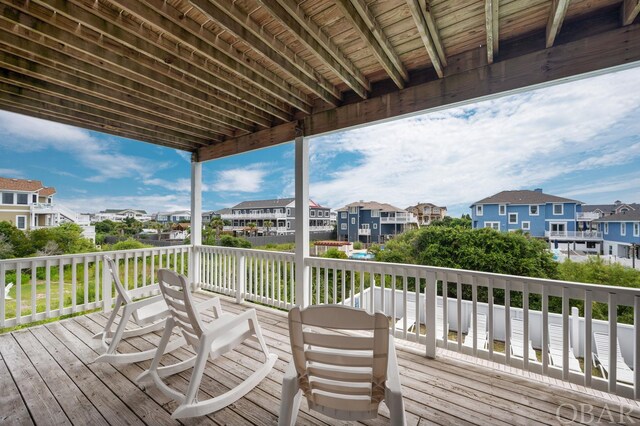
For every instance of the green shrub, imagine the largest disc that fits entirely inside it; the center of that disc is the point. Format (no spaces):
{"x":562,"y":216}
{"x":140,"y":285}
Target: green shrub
{"x":128,"y":244}
{"x":357,"y":245}
{"x":229,"y":241}
{"x":334,"y":253}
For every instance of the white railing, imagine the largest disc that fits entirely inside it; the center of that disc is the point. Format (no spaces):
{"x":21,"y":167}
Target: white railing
{"x":587,"y":216}
{"x":52,"y":286}
{"x":260,"y":276}
{"x":409,"y":294}
{"x":254,"y":216}
{"x":364,"y":231}
{"x":580,"y":235}
{"x":399,"y":219}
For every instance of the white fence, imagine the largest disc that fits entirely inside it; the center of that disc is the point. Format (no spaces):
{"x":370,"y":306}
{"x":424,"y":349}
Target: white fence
{"x":49,"y":287}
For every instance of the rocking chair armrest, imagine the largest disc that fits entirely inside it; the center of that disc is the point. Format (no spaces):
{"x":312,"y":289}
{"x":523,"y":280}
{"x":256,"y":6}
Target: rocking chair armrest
{"x":142,"y":291}
{"x":214,"y":303}
{"x":218,"y":327}
{"x":393,"y":375}
{"x":144,"y":302}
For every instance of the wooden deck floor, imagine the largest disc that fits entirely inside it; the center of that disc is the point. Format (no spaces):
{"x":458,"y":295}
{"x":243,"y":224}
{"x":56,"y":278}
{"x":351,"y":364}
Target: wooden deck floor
{"x":47,"y":376}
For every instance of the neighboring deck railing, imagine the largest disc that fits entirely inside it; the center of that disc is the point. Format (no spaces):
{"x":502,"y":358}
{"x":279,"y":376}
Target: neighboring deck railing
{"x":571,"y":235}
{"x":82,"y":285}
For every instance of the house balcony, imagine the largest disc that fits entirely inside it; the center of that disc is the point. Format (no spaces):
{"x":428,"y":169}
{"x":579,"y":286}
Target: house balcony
{"x":573,"y":235}
{"x":587,"y":216}
{"x":364,"y":231}
{"x":399,"y":219}
{"x":254,"y":216}
{"x":446,"y":375}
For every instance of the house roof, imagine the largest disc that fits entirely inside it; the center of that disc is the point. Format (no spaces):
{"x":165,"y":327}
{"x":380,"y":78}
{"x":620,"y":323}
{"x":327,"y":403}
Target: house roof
{"x":524,"y":197}
{"x":632,"y":215}
{"x":29,"y":185}
{"x":608,"y":208}
{"x":223,"y":211}
{"x":425,"y":205}
{"x":372,"y":205}
{"x":123,"y":210}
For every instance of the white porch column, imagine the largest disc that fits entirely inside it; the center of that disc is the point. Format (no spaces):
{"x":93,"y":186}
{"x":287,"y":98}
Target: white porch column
{"x":302,"y":290}
{"x":196,"y":220}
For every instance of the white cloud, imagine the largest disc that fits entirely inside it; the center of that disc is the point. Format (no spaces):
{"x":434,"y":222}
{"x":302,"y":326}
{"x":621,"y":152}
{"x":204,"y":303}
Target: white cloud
{"x":150,"y":203}
{"x":179,"y":185}
{"x":27,"y":134}
{"x":246,"y":179}
{"x":460,"y":155}
{"x":11,"y":173}
{"x":186,"y":156}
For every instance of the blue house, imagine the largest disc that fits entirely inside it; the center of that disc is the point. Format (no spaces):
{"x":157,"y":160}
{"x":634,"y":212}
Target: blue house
{"x":372,"y":222}
{"x":621,"y":233}
{"x":558,"y":219}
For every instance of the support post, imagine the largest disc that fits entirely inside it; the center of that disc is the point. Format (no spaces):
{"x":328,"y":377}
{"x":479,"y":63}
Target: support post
{"x":575,"y":332}
{"x":430,"y":309}
{"x":196,"y":220}
{"x":302,"y":290}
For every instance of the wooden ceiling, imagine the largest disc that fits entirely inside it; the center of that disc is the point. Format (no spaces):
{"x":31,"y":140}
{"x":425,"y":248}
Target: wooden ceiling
{"x":220,"y":77}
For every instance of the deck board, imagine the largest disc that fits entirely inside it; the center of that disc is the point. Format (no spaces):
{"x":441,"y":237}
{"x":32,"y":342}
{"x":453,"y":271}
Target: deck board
{"x":47,"y":376}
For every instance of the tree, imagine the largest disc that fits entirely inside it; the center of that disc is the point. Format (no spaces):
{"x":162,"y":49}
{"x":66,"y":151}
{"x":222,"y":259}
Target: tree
{"x":252,"y":227}
{"x":268,"y":224}
{"x":20,"y":244}
{"x":107,"y":227}
{"x":218,"y":225}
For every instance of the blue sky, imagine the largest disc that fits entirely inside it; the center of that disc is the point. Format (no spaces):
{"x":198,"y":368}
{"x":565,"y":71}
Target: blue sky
{"x":579,"y":140}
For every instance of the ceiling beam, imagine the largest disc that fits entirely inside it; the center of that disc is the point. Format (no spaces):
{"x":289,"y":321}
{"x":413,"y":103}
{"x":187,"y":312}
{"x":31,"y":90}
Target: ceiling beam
{"x":423,"y":29}
{"x":358,"y":13}
{"x":88,"y":47}
{"x":425,"y":6}
{"x":235,"y":21}
{"x":630,"y":10}
{"x":556,"y":17}
{"x":171,"y":21}
{"x":145,"y":44}
{"x":492,"y":23}
{"x":593,"y":53}
{"x":289,"y":14}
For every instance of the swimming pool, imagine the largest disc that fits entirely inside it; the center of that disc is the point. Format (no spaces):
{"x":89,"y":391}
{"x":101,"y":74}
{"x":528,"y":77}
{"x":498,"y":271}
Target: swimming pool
{"x":362,"y":256}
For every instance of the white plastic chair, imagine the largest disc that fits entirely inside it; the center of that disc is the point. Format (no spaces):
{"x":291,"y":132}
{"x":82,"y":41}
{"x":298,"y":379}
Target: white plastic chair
{"x":342,"y":376}
{"x":208,"y":341}
{"x":147,"y":314}
{"x":623,"y":372}
{"x":556,"y":349}
{"x":483,"y":334}
{"x":517,"y":338}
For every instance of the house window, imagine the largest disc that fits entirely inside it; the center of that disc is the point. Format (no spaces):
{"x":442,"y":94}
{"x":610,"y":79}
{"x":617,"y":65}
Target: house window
{"x":7,"y":198}
{"x":288,"y":225}
{"x":364,"y":226}
{"x":375,"y":226}
{"x":502,"y":209}
{"x":312,"y":213}
{"x":606,"y":227}
{"x":21,"y":222}
{"x":623,"y":229}
{"x":34,"y":198}
{"x":343,"y":215}
{"x":288,"y":212}
{"x":353,"y":220}
{"x":513,"y":218}
{"x":375,"y":213}
{"x":636,"y":229}
{"x":558,"y":209}
{"x":492,"y":225}
{"x":526,"y":225}
{"x":353,"y":210}
{"x":533,"y":210}
{"x":343,"y":226}
{"x":22,"y":198}
{"x":326,"y":213}
{"x":479,"y":210}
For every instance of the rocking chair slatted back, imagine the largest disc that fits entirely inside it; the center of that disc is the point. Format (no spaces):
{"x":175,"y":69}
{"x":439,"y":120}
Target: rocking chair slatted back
{"x":176,"y":293}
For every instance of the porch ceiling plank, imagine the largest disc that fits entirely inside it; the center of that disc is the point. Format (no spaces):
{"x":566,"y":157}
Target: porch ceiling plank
{"x":425,"y":35}
{"x":357,"y":11}
{"x":234,"y":65}
{"x":30,"y":96}
{"x":433,"y":30}
{"x":592,"y":53}
{"x":85,"y":121}
{"x":83,"y":93}
{"x":289,"y":14}
{"x":138,"y":107}
{"x":142,"y":42}
{"x":216,"y":50}
{"x":154,"y":74}
{"x":630,"y":10}
{"x":492,"y":24}
{"x":556,"y":17}
{"x":238,"y":23}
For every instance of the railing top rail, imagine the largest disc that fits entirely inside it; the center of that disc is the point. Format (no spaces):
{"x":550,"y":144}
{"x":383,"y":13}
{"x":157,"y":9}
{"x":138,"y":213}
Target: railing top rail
{"x":244,"y":250}
{"x":372,"y":265}
{"x":87,"y":254}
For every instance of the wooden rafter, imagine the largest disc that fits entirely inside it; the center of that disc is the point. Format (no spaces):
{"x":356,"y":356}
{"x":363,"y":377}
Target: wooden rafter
{"x":630,"y":10}
{"x":425,"y":6}
{"x":365,"y":23}
{"x":556,"y":17}
{"x":309,"y":33}
{"x":423,"y":29}
{"x":600,"y":51}
{"x":492,"y":27}
{"x":238,"y":23}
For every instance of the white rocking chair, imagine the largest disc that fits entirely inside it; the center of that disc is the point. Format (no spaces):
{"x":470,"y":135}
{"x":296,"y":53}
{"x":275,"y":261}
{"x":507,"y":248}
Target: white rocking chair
{"x":209,"y":341}
{"x":342,"y":376}
{"x":148,"y":314}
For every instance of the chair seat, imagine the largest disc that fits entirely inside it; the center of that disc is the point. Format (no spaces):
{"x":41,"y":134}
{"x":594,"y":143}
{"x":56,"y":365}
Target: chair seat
{"x":152,"y":311}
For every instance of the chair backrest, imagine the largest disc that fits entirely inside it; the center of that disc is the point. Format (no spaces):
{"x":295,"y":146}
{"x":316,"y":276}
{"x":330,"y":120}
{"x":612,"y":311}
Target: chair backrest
{"x":110,"y":264}
{"x":336,"y":371}
{"x":175,"y":290}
